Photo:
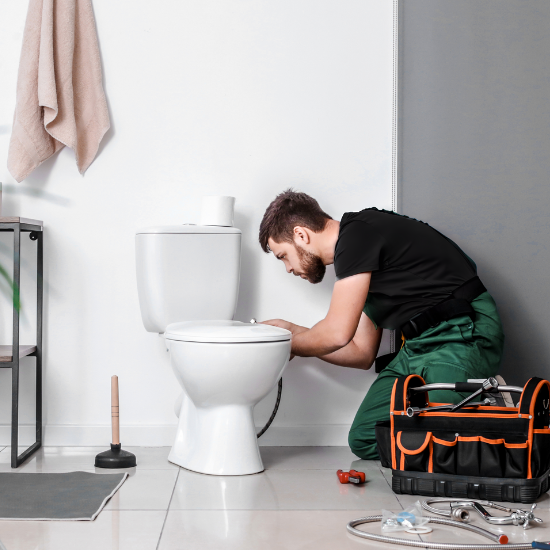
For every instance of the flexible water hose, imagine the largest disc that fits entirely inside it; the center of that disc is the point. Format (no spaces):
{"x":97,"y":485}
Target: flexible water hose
{"x":438,"y":545}
{"x":272,"y":417}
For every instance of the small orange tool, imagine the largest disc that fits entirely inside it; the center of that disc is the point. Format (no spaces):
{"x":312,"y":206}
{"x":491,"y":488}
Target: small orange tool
{"x":353,"y":476}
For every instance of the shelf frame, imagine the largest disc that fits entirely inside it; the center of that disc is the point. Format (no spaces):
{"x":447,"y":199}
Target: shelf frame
{"x":10,"y":359}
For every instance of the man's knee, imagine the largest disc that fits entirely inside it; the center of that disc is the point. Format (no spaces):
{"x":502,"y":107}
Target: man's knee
{"x":363,"y":444}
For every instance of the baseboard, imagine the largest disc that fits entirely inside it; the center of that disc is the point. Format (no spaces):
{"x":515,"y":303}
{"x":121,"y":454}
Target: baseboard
{"x":312,"y":435}
{"x":163,"y":435}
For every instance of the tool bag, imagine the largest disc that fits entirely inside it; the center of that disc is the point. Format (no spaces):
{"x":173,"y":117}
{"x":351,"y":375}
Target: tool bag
{"x":481,"y":452}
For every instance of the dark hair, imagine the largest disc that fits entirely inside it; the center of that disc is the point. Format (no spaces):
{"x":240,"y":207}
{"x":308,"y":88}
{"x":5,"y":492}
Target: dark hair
{"x":288,"y":210}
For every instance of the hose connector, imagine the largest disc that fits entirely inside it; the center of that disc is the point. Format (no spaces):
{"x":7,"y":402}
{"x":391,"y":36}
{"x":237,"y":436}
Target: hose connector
{"x":460,"y":514}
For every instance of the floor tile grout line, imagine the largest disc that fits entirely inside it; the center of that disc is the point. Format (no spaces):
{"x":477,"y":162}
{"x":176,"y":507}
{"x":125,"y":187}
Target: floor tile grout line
{"x":118,"y":510}
{"x":168,"y":509}
{"x":393,"y":494}
{"x":88,"y":469}
{"x":397,"y":498}
{"x":278,"y":510}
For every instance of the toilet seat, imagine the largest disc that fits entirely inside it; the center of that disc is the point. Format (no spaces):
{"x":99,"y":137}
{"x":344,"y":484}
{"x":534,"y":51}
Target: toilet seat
{"x":225,"y":332}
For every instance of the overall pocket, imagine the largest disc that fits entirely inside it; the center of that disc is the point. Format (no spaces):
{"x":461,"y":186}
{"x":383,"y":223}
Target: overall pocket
{"x":414,"y":450}
{"x":465,"y":326}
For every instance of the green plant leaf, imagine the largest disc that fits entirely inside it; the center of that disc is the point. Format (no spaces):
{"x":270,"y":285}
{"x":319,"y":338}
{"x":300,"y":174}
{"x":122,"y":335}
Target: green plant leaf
{"x":14,"y":288}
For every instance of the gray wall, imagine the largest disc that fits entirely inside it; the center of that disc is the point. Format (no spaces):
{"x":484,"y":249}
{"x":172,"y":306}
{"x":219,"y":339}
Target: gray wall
{"x":474,"y":151}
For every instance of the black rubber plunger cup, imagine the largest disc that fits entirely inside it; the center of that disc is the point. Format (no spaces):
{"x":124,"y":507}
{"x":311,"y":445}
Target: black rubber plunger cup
{"x":115,"y":457}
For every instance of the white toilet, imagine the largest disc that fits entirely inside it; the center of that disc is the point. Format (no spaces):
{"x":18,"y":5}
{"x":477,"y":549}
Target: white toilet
{"x":188,"y":280}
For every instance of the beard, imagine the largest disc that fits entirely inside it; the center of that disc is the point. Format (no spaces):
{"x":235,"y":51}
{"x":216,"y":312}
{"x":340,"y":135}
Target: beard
{"x":312,"y":266}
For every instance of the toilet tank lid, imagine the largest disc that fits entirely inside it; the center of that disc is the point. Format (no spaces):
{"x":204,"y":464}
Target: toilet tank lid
{"x":188,"y":228}
{"x":225,"y":331}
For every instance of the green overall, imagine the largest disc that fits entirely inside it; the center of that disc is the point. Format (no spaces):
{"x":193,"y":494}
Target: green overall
{"x":453,"y":351}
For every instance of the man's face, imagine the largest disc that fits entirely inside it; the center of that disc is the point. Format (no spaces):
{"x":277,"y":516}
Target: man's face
{"x":299,"y":261}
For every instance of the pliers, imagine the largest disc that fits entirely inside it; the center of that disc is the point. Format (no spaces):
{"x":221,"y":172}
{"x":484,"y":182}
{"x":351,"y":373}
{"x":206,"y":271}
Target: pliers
{"x":353,"y":476}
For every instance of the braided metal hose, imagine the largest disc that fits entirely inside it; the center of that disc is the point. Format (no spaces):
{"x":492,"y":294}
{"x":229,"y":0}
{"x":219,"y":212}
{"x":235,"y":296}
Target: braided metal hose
{"x":500,"y":539}
{"x":279,"y":391}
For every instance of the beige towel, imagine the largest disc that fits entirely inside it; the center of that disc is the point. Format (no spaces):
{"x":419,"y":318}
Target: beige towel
{"x":60,"y":98}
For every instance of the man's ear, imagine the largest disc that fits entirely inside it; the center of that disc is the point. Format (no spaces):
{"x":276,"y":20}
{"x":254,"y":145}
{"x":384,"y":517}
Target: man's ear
{"x":301,"y":235}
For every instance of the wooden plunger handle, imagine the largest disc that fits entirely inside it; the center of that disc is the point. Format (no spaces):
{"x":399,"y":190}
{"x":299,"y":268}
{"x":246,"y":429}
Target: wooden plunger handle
{"x":114,"y":410}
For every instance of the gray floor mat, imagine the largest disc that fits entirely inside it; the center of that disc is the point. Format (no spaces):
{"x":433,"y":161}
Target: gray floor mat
{"x":64,"y":496}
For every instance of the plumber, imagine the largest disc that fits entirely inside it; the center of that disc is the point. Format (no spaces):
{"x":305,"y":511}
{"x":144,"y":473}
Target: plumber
{"x":392,"y":272}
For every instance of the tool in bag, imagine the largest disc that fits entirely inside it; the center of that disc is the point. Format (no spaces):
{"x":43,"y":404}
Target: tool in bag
{"x":488,"y":385}
{"x":468,"y":450}
{"x":353,"y":476}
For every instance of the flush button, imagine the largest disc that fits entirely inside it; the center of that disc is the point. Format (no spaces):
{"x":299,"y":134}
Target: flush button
{"x":253,"y":321}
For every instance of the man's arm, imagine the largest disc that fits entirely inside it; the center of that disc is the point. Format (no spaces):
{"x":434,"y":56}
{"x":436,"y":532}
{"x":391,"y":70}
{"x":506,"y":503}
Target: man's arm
{"x":340,"y":325}
{"x":358,"y":354}
{"x":361,"y":352}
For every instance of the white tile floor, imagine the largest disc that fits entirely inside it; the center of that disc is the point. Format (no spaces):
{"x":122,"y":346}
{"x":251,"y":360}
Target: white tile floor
{"x":297,"y":503}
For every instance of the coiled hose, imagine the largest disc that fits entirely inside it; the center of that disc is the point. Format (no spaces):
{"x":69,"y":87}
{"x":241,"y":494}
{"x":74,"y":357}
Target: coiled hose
{"x":500,"y":539}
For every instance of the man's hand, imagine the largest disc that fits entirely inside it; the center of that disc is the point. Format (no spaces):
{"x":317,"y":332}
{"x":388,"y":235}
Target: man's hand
{"x":281,"y":323}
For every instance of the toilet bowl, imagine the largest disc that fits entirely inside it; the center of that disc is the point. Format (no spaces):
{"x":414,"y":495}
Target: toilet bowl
{"x":225,"y":368}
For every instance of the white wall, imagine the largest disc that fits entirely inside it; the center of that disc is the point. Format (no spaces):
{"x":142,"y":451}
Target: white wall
{"x":243,"y":98}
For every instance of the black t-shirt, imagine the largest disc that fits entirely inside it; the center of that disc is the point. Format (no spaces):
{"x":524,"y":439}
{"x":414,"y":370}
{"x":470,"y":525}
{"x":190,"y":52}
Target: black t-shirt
{"x":413,"y":265}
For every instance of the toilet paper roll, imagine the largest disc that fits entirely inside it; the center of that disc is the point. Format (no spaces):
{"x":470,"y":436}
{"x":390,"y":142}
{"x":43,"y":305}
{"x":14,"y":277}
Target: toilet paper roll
{"x":218,"y":210}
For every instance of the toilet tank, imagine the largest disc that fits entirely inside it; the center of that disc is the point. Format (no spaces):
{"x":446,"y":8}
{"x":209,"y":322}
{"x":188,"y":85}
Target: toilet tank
{"x":187,"y":273}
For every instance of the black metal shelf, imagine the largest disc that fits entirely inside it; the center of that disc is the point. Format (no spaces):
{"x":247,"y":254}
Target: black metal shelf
{"x":9,"y":359}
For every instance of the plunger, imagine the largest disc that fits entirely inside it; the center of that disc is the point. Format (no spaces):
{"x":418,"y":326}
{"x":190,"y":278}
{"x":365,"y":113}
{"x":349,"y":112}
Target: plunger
{"x":115,"y":457}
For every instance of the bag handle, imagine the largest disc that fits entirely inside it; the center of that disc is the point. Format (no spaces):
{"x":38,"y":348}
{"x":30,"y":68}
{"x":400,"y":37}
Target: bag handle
{"x":529,"y":391}
{"x":401,"y":388}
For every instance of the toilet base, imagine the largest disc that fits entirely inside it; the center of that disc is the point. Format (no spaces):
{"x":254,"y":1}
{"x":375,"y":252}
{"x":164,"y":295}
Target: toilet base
{"x":217,"y":441}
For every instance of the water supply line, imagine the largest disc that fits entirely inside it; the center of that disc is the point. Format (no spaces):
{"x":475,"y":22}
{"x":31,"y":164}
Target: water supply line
{"x":500,"y":539}
{"x":277,"y":402}
{"x":276,"y":408}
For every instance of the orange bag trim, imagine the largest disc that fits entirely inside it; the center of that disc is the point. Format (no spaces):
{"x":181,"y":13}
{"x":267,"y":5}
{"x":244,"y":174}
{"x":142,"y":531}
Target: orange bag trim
{"x":532,"y":423}
{"x":406,"y":385}
{"x":444,"y":442}
{"x":499,"y":441}
{"x":415,"y":451}
{"x":522,"y":393}
{"x":516,"y":445}
{"x":392,"y":408}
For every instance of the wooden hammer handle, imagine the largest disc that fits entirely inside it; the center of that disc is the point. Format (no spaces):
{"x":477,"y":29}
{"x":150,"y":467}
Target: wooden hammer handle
{"x":115,"y":410}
